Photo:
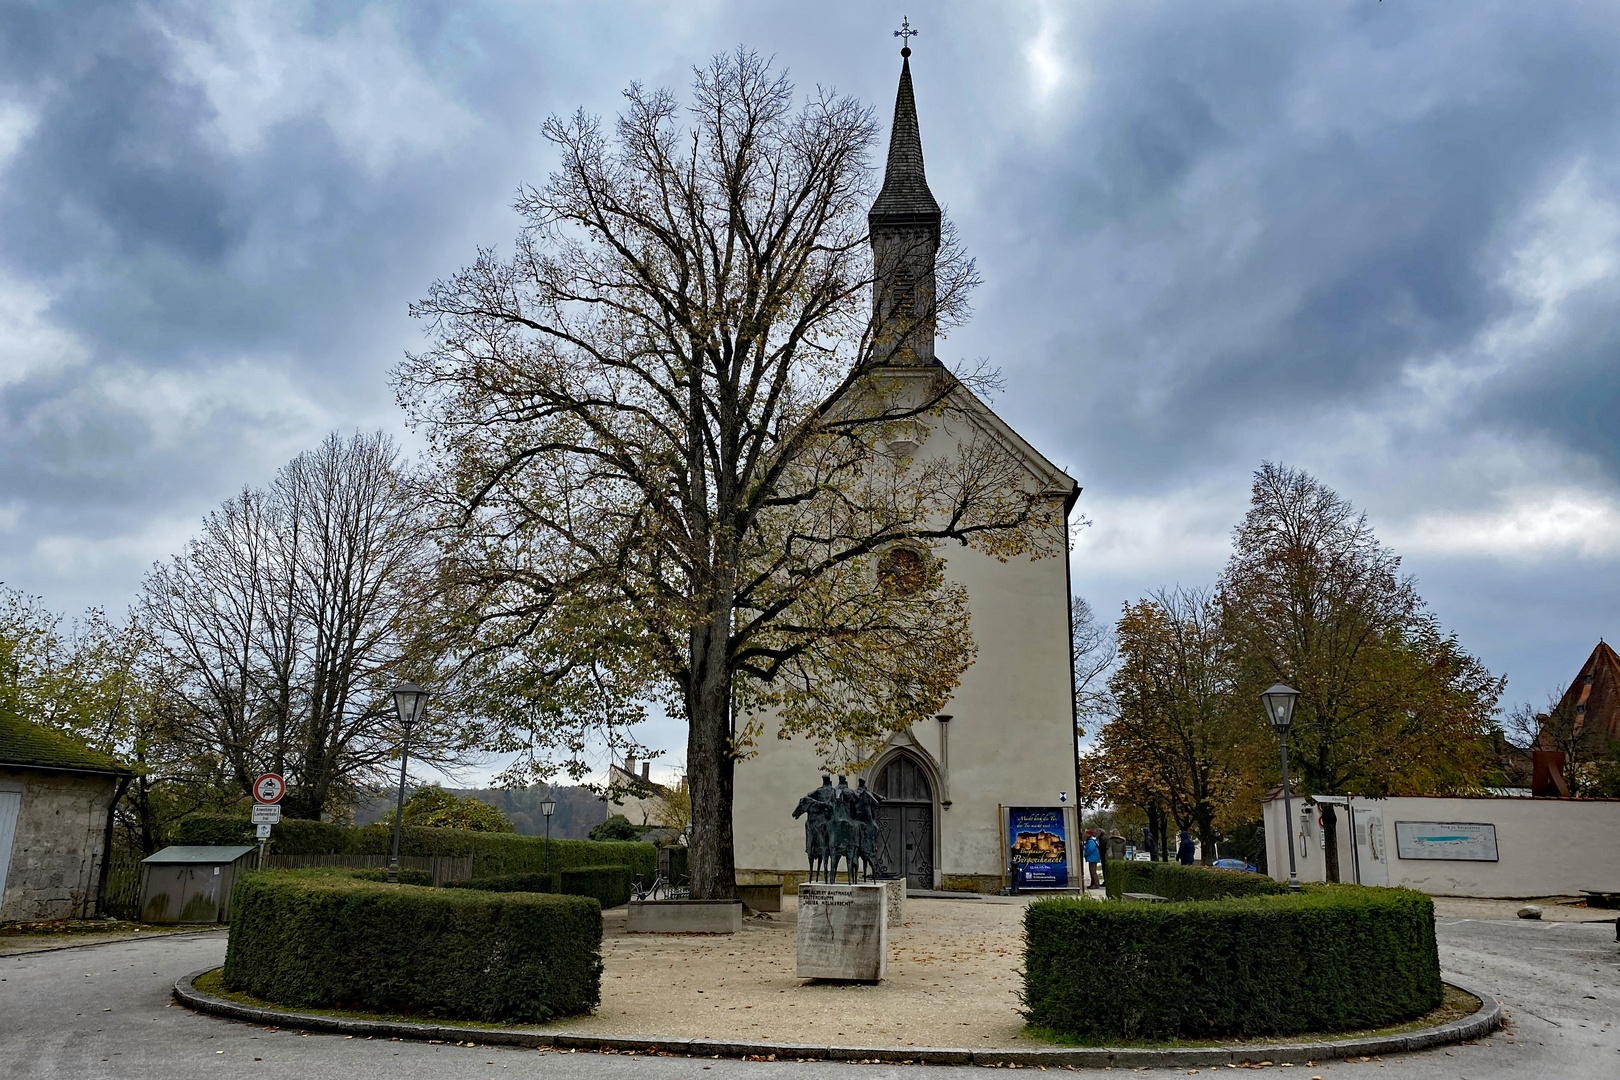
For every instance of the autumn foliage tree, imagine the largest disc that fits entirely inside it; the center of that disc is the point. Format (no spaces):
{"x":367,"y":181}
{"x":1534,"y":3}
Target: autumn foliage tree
{"x":1171,"y":741}
{"x":1389,"y":703}
{"x":672,"y":450}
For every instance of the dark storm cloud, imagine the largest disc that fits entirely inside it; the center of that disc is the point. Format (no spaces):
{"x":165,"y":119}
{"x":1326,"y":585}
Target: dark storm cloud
{"x":1251,"y":211}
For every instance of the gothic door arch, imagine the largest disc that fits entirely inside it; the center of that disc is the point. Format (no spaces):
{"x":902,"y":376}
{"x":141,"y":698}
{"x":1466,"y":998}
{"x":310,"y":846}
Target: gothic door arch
{"x":905,"y":841}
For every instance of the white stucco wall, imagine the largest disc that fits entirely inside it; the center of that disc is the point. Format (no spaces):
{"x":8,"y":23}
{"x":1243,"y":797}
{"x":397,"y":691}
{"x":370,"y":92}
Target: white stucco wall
{"x":1545,"y":847}
{"x":1011,"y":739}
{"x":56,"y":849}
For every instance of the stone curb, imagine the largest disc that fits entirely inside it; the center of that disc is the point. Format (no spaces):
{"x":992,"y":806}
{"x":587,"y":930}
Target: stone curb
{"x":1487,"y":1019}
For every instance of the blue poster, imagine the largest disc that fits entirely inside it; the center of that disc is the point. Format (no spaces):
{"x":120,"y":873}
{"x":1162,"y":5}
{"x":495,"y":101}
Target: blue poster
{"x":1039,"y":855}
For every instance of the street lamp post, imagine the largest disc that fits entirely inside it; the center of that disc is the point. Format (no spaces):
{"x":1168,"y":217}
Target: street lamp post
{"x":1279,"y":704}
{"x":548,"y":806}
{"x":409,"y":701}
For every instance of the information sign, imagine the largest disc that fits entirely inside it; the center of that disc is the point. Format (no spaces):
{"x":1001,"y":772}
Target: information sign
{"x":264,"y":831}
{"x":1467,"y":841}
{"x":266,"y":813}
{"x":269,"y":788}
{"x":1038,"y":851}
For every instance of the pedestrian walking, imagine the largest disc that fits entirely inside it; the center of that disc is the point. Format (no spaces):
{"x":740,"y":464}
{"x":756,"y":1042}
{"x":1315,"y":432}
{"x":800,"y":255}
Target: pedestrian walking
{"x":1184,"y":850}
{"x":1093,"y":859}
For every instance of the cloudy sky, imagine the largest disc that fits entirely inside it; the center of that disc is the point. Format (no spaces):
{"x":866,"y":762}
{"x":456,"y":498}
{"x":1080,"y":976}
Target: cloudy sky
{"x":1378,"y":241}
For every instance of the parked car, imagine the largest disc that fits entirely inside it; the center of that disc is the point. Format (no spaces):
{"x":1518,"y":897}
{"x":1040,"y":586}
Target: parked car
{"x":1235,"y":864}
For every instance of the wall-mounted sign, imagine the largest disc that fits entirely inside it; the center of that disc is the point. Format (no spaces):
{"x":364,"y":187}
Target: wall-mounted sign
{"x":1038,"y":852}
{"x":1468,"y":841}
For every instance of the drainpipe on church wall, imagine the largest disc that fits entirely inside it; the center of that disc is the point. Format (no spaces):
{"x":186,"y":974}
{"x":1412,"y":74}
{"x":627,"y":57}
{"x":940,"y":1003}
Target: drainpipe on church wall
{"x":944,"y":760}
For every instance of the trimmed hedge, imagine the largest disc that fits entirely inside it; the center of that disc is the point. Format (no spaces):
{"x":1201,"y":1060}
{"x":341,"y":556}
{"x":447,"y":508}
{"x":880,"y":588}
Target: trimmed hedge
{"x":325,"y":940}
{"x":406,"y":877}
{"x":1329,"y":959}
{"x":493,"y":854}
{"x":541,"y":883}
{"x":609,"y":884}
{"x":290,"y":836}
{"x":1176,"y":882}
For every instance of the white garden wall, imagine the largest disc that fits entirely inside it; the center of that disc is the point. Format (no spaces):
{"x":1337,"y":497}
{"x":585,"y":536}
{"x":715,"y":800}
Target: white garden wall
{"x":1544,"y":847}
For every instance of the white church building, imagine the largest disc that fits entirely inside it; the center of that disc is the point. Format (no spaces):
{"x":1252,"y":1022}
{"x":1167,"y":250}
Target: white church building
{"x":956,"y":788}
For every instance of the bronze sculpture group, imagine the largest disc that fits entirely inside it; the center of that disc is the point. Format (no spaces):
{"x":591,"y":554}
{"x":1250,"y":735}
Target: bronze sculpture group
{"x":840,"y":826}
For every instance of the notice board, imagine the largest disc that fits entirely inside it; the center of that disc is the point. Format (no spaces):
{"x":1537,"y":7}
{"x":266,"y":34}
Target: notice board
{"x":1462,"y":840}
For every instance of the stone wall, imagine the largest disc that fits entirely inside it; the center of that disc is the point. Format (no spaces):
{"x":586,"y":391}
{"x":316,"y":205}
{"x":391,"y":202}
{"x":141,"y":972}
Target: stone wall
{"x":56,"y":850}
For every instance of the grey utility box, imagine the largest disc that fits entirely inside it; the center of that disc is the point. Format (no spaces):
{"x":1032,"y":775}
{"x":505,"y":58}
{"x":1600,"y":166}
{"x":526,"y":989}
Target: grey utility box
{"x":186,"y":884}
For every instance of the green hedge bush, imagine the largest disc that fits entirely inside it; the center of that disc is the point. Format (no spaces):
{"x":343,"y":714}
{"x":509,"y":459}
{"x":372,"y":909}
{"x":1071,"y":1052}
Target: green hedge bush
{"x":493,"y":854}
{"x":541,"y":883}
{"x":1330,"y":959}
{"x":316,"y":939}
{"x":1176,"y":882}
{"x":406,"y":877}
{"x":609,"y":884}
{"x":290,"y":836}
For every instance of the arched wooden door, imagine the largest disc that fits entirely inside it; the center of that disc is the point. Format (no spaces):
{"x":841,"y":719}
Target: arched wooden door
{"x":905,"y":843}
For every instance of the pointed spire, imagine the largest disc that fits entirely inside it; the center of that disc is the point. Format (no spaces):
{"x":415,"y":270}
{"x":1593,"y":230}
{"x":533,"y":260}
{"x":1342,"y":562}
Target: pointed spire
{"x":905,"y":196}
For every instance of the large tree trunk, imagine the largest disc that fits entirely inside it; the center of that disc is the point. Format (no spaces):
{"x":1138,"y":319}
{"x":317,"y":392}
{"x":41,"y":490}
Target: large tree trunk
{"x":1206,"y":836}
{"x":1330,"y":833}
{"x":711,"y":764}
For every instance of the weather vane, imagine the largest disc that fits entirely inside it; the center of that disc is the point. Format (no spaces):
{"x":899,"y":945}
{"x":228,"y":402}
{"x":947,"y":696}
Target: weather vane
{"x":905,"y":34}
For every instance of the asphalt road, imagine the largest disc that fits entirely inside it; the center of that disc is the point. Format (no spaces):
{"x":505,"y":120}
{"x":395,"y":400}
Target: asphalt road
{"x":105,"y":1011}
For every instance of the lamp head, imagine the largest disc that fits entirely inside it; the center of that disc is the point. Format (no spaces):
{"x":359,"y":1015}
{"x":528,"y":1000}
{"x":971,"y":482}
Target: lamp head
{"x":548,"y":806}
{"x":410,"y":701}
{"x":1279,"y":703}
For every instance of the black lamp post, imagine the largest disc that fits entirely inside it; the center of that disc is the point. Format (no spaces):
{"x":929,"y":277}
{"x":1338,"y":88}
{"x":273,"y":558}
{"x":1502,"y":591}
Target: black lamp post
{"x":409,"y":701}
{"x":1279,"y":703}
{"x":548,"y":806}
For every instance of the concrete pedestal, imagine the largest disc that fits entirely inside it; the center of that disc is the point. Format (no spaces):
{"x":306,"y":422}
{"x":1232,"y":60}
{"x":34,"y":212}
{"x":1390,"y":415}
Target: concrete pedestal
{"x":684,"y":917}
{"x":896,"y":889}
{"x":843,"y":932}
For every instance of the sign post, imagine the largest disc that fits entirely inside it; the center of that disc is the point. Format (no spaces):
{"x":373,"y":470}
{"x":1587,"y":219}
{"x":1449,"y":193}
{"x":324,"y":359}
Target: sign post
{"x":268,"y":788}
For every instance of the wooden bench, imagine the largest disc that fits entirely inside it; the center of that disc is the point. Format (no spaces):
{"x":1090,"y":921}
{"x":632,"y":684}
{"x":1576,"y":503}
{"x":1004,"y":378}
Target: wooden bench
{"x":1145,"y":897}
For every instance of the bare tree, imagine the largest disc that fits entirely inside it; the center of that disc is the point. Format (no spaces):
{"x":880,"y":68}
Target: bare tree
{"x":679,"y":456}
{"x":282,"y":627}
{"x":1093,"y":649}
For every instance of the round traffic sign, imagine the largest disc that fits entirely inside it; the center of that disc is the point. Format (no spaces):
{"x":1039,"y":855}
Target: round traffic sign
{"x":269,"y":788}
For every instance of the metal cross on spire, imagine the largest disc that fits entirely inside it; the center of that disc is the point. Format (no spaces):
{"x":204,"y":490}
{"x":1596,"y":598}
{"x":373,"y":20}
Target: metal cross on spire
{"x":905,"y":34}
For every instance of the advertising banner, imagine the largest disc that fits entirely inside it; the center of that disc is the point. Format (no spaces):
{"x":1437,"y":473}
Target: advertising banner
{"x":1038,"y":850}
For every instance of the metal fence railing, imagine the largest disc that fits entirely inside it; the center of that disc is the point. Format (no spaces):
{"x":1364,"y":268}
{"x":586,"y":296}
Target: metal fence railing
{"x":443,"y":867}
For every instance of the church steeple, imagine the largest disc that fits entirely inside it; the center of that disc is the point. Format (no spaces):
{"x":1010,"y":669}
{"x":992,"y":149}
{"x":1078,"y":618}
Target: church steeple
{"x":904,"y":223}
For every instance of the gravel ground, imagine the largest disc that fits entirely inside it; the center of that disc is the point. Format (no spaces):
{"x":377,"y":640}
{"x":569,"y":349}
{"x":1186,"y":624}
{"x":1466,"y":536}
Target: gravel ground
{"x":952,"y":981}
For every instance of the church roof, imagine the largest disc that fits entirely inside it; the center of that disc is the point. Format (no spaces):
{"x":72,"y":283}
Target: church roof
{"x":905,"y":196}
{"x":1593,"y":699}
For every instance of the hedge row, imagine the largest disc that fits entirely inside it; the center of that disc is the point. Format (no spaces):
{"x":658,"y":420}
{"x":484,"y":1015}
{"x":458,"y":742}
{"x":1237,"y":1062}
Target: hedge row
{"x":325,"y":940}
{"x":1330,"y":959}
{"x":493,"y":854}
{"x":542,"y":883}
{"x":405,"y":877}
{"x":610,"y":885}
{"x":1176,"y":882}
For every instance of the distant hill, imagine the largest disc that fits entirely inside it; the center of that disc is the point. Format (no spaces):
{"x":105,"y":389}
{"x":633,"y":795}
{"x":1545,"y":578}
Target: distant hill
{"x":578,"y":809}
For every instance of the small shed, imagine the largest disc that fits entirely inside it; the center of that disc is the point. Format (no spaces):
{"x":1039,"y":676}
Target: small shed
{"x":192,"y":884}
